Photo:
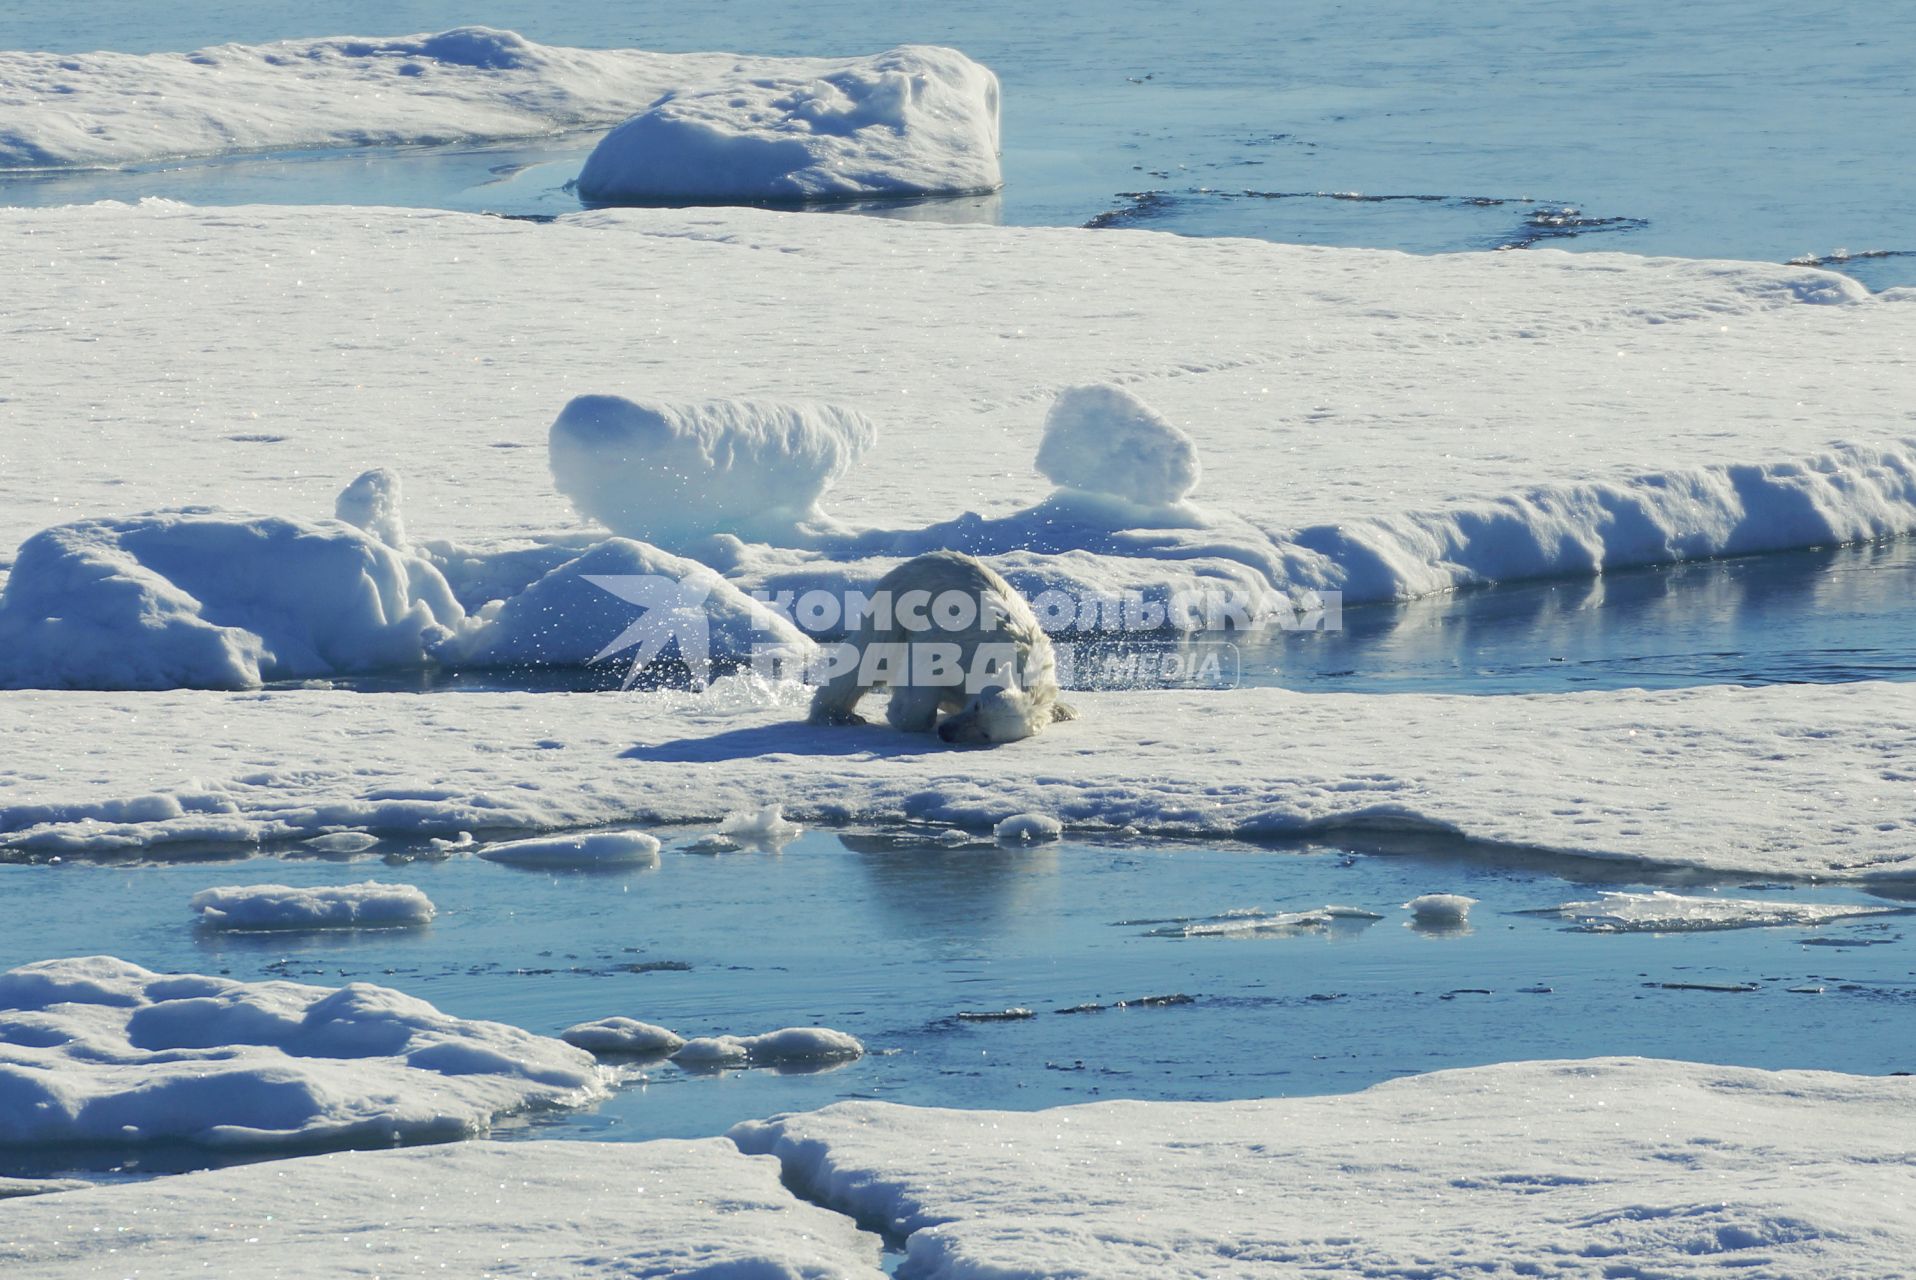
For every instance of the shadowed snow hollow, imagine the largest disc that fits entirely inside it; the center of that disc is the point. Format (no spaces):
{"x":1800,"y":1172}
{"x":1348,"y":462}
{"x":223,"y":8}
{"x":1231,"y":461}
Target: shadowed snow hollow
{"x":99,"y":1050}
{"x":670,"y":473}
{"x":918,"y":120}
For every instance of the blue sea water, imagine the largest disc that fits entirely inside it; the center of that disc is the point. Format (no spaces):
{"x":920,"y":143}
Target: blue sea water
{"x":891,"y":937}
{"x":1755,"y":129}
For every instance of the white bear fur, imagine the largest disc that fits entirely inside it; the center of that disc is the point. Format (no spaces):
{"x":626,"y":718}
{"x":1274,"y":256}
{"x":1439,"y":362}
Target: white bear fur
{"x":1016,"y":710}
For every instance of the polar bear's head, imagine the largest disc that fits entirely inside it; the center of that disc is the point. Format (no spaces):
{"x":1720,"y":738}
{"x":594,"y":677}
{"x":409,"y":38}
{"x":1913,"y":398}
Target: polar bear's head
{"x":997,"y":715}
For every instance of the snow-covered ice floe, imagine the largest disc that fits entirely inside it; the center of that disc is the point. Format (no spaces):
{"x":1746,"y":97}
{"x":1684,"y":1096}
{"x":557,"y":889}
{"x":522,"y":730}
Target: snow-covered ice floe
{"x":1578,"y":413}
{"x":600,"y":849}
{"x":787,"y":1046}
{"x":370,"y":905}
{"x":96,"y":1050}
{"x":1780,"y":781}
{"x":1558,"y":1169}
{"x":1440,"y":910}
{"x":622,"y":1036}
{"x":664,"y":1208}
{"x":917,"y":120}
{"x":1662,"y":912}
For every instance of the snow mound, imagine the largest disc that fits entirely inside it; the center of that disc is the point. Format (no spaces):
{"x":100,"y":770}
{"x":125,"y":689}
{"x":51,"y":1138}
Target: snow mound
{"x":571,"y":1209}
{"x":1104,"y":440}
{"x":1663,"y":912}
{"x":789,"y":1045}
{"x":370,"y":905}
{"x":1440,"y":910}
{"x":1028,"y":828}
{"x":673,"y":473}
{"x":918,"y":120}
{"x":203,"y":599}
{"x":472,"y":82}
{"x":1682,"y":1169}
{"x":622,"y":1036}
{"x":581,"y":610}
{"x":603,"y":849}
{"x":99,"y":1050}
{"x":371,"y":503}
{"x":762,"y":828}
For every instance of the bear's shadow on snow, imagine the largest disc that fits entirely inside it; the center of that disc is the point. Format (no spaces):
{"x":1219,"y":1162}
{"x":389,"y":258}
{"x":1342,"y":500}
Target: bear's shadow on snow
{"x":796,"y":739}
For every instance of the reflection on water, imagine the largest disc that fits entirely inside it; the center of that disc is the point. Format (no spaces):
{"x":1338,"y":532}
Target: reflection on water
{"x":1824,"y":616}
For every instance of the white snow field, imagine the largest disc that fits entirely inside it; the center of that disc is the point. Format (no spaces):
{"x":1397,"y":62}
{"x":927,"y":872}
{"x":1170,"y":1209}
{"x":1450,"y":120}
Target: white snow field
{"x":1602,"y":1168}
{"x":1783,"y":780}
{"x":571,"y":1209}
{"x":917,"y":120}
{"x":371,"y":905}
{"x":918,"y":114}
{"x":96,"y":1050}
{"x":1373,"y":422}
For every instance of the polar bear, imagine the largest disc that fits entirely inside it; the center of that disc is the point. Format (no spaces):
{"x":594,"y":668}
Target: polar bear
{"x":946,"y":633}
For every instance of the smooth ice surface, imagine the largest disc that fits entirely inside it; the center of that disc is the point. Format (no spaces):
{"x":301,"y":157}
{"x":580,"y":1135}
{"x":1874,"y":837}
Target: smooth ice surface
{"x":1664,"y":912}
{"x":68,"y":109}
{"x":1566,"y":1167}
{"x":913,"y":121}
{"x":97,"y":1050}
{"x":370,"y":905}
{"x":605,"y":848}
{"x":479,"y":1208}
{"x":1783,"y":780}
